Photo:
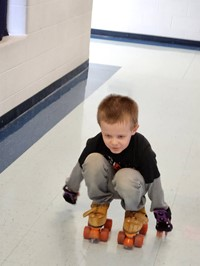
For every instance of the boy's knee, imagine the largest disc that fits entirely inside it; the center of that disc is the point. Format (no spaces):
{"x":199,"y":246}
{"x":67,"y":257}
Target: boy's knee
{"x":93,"y":167}
{"x":127,"y":179}
{"x":94,"y":159}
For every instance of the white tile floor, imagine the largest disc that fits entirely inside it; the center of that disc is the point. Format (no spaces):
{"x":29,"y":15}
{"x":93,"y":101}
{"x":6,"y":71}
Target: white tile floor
{"x":37,"y":227}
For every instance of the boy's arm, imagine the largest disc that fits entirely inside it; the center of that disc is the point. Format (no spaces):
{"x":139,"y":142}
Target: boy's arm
{"x":160,"y":208}
{"x":72,"y":185}
{"x":156,"y":195}
{"x":74,"y":180}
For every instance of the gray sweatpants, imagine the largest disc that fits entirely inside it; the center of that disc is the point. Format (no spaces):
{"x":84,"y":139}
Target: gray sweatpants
{"x":105,"y":184}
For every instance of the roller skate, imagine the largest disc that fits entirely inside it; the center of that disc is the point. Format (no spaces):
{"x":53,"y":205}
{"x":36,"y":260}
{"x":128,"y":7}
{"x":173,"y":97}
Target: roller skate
{"x":99,"y":226}
{"x":163,"y":221}
{"x":134,"y":229}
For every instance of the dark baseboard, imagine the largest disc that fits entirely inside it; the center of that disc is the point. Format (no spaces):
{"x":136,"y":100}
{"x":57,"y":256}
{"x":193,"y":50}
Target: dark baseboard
{"x":145,"y":39}
{"x":26,"y":105}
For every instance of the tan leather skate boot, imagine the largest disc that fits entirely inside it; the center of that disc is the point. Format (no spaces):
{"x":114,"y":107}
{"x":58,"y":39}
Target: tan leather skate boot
{"x":97,"y":214}
{"x":134,"y":220}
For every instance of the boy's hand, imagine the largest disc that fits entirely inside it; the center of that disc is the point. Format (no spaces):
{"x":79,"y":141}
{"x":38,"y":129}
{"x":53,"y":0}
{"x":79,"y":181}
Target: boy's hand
{"x":163,"y":219}
{"x":70,"y":196}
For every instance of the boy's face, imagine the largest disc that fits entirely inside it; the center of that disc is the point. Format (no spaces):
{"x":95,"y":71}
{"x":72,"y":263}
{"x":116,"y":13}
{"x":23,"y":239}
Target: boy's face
{"x":117,"y":136}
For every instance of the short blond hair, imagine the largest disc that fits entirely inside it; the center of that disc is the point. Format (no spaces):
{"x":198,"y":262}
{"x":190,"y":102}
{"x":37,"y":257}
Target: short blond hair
{"x":117,"y":108}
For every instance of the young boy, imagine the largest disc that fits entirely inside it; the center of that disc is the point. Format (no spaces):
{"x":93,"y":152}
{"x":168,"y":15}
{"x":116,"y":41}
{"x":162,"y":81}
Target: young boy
{"x":119,"y":163}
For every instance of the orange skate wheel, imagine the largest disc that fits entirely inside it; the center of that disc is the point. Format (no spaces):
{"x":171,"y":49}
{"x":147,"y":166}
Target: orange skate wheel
{"x":139,"y":239}
{"x":121,"y":237}
{"x":108,"y":224}
{"x":128,"y":242}
{"x":144,"y":229}
{"x":86,"y":232}
{"x":104,"y":234}
{"x":94,"y":233}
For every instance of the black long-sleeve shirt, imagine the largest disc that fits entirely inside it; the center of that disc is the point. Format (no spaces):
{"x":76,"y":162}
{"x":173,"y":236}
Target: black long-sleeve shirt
{"x":138,"y":155}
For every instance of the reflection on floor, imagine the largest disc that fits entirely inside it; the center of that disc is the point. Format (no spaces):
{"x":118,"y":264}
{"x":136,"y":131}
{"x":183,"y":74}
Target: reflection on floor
{"x":37,"y":227}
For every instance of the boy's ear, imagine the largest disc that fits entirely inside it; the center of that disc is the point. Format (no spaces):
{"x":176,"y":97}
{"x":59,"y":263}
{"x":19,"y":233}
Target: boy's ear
{"x":134,"y":130}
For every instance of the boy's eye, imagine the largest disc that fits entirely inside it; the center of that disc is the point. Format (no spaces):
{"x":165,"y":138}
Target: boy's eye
{"x":120,"y":137}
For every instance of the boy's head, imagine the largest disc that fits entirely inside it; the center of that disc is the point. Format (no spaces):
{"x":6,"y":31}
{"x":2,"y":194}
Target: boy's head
{"x":117,"y":116}
{"x":118,"y":109}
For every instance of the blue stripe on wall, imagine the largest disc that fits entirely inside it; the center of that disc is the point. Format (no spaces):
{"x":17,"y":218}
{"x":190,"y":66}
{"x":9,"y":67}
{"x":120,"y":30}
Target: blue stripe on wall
{"x":24,"y":131}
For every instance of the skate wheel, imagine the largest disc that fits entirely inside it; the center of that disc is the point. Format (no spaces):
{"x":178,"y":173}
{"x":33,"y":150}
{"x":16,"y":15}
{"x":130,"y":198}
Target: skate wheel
{"x":86,"y":232}
{"x":139,"y":239}
{"x":121,"y":237}
{"x":108,"y":224}
{"x":94,"y":233}
{"x":104,"y":234}
{"x":128,"y":243}
{"x":144,"y":229}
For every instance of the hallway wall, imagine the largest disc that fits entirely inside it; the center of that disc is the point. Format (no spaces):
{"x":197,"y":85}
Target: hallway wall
{"x":56,"y":41}
{"x":165,"y":18}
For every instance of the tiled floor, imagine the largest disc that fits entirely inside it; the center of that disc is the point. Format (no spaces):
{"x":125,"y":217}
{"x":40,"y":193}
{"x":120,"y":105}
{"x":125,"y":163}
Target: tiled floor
{"x":37,"y":227}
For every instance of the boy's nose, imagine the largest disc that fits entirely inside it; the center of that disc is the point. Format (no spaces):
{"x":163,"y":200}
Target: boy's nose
{"x":114,"y":141}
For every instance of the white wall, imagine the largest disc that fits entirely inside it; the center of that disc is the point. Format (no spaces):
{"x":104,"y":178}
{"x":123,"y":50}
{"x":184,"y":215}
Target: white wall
{"x":56,"y":42}
{"x":166,"y":18}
